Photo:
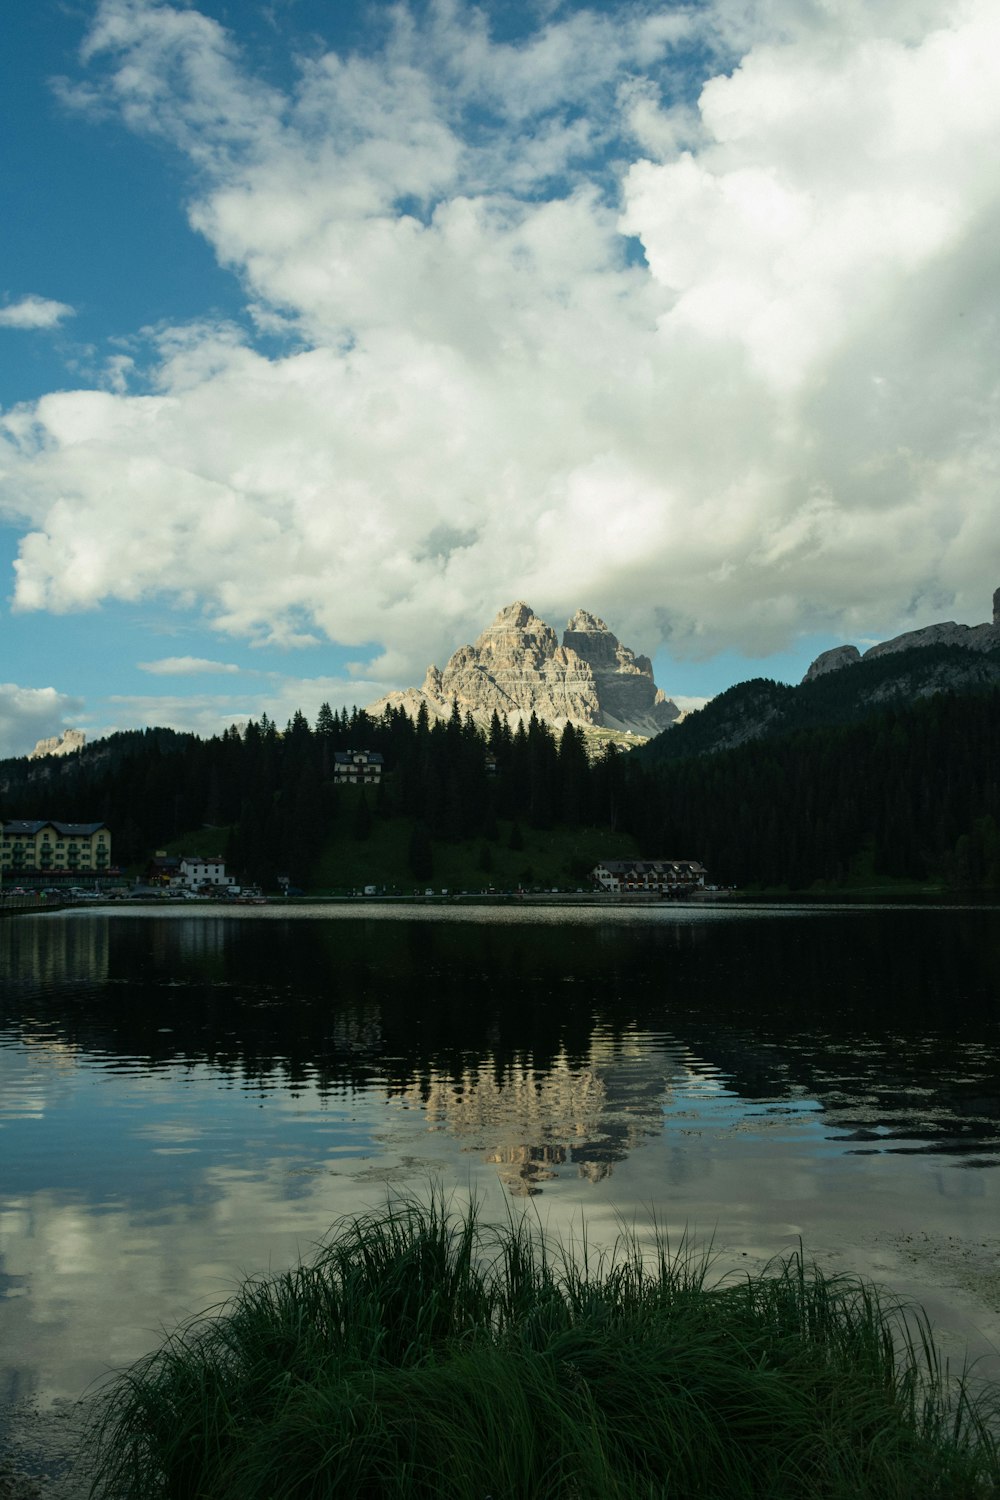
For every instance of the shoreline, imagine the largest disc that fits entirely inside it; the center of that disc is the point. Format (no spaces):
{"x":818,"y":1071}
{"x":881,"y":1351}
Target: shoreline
{"x":736,"y":900}
{"x":956,"y":1281}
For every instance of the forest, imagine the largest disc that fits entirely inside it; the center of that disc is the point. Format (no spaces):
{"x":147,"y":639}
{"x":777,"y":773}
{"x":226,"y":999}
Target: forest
{"x":910,"y":793}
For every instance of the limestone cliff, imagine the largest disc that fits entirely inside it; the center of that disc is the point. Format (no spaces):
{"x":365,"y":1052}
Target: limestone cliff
{"x":72,"y":739}
{"x":970,"y":637}
{"x":517,"y":667}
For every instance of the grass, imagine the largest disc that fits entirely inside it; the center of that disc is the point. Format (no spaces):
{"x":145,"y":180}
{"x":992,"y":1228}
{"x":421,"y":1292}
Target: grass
{"x":550,"y":857}
{"x":423,"y":1354}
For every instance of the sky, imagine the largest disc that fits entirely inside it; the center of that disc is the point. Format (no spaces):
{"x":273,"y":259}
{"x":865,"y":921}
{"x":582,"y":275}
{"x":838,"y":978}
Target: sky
{"x":329,"y":329}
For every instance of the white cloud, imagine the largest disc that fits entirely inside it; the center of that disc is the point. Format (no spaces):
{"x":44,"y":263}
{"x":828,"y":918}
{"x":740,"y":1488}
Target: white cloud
{"x":34,"y":312}
{"x":171,"y":666}
{"x":28,"y":715}
{"x":207,"y":714}
{"x":782,"y":422}
{"x":688,"y":704}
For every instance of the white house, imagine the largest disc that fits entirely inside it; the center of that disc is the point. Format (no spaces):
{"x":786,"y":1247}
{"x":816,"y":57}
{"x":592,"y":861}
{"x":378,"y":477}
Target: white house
{"x":195,"y":871}
{"x":357,"y":765}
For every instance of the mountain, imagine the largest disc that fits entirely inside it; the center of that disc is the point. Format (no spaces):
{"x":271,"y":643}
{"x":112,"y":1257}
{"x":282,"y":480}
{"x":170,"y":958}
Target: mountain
{"x":843,"y":687}
{"x":71,"y":741}
{"x":517,"y":667}
{"x":967,"y":637}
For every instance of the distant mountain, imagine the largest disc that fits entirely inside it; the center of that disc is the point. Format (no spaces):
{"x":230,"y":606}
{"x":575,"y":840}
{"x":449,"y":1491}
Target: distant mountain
{"x":70,"y":741}
{"x":517,"y":667}
{"x":968,"y":637}
{"x":74,"y":764}
{"x":762,"y":709}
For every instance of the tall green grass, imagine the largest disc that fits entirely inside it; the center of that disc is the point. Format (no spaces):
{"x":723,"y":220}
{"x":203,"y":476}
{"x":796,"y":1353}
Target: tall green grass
{"x":424,"y":1354}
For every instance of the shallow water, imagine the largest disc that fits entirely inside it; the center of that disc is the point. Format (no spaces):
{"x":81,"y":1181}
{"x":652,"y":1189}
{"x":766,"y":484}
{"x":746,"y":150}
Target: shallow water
{"x":186,"y":1097}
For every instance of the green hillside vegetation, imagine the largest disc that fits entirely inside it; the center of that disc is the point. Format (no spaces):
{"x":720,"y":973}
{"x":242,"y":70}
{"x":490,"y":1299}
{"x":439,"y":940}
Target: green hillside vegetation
{"x":456,"y":808}
{"x":764,"y":709}
{"x":909,"y":795}
{"x":874,"y":795}
{"x":518,"y":857}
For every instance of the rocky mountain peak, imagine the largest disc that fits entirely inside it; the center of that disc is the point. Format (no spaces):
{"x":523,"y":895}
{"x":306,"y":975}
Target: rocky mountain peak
{"x":516,"y":632}
{"x":70,"y":741}
{"x":969,"y":637}
{"x":517,"y":667}
{"x":515,"y":616}
{"x":586,"y":623}
{"x":591,"y":639}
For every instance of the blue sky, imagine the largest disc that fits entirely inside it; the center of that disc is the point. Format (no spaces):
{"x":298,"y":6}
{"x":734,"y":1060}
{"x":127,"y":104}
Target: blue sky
{"x":326,"y":330}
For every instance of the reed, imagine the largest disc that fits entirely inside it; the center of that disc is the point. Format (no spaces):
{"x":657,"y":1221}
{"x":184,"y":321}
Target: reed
{"x":425,"y":1354}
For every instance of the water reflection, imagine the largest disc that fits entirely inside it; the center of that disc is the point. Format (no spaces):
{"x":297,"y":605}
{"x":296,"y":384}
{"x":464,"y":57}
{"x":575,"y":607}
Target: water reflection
{"x":586,"y":1114}
{"x":51,"y":952}
{"x":186,"y":1098}
{"x":888,"y":1019}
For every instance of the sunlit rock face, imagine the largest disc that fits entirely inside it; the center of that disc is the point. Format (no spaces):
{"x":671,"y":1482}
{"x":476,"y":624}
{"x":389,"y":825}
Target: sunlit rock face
{"x":72,"y":739}
{"x":971,"y":637}
{"x":517,"y":667}
{"x":627,"y":695}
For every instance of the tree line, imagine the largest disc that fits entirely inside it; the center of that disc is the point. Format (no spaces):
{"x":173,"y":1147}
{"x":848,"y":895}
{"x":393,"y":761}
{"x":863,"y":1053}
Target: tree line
{"x":911,"y":792}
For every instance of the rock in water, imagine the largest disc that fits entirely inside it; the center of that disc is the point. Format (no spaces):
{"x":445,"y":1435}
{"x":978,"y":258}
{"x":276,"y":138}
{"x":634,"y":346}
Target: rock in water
{"x":517,"y":667}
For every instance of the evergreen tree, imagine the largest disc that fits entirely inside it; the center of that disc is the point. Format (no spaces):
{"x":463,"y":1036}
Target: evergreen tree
{"x":361,"y":822}
{"x":420,"y":856}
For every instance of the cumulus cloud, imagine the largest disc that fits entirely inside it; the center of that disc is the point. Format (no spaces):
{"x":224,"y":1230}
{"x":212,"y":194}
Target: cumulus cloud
{"x":28,"y":715}
{"x":181,"y":666}
{"x":688,"y":704}
{"x":34,"y":312}
{"x":279,"y":696}
{"x":779,"y":418}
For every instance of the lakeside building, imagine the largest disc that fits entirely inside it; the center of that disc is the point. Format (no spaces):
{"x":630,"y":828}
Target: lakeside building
{"x":33,"y":847}
{"x":357,"y":766}
{"x":163,"y":868}
{"x":664,"y":876}
{"x":195,"y":872}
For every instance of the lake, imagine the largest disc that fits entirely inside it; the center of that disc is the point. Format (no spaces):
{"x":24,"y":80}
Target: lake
{"x":187,"y":1096}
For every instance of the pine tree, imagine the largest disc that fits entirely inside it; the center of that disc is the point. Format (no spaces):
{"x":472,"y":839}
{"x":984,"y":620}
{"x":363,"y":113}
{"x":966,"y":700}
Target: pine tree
{"x":420,"y":855}
{"x":361,"y":823}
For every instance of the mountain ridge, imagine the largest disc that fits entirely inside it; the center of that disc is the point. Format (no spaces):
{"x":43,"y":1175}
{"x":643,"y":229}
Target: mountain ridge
{"x":842,"y":686}
{"x":762,"y":709}
{"x":985,"y":637}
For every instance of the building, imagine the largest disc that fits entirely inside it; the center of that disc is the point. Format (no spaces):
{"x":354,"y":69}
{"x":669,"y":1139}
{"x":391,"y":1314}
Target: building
{"x":357,"y":766}
{"x":163,"y":869}
{"x":195,"y":872}
{"x":30,"y":848}
{"x":666,"y":877}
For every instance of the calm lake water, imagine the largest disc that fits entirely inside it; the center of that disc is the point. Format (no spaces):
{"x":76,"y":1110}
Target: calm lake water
{"x":186,"y":1097}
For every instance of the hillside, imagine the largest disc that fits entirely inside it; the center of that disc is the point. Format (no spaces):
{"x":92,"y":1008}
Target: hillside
{"x":763,"y":710}
{"x":863,"y":777}
{"x":908,"y":794}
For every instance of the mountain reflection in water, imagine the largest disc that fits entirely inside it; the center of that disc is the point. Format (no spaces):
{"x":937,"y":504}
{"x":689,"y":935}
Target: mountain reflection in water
{"x":578,"y":1033}
{"x":185,"y":1097}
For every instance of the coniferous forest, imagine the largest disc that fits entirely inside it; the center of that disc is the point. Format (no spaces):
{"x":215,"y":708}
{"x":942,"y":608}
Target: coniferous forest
{"x":909,"y":793}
